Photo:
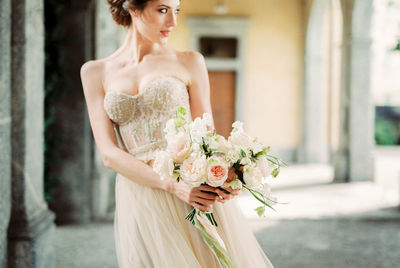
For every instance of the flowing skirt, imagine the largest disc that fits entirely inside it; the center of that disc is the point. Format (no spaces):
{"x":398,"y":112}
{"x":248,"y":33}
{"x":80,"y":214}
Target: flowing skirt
{"x":151,"y":231}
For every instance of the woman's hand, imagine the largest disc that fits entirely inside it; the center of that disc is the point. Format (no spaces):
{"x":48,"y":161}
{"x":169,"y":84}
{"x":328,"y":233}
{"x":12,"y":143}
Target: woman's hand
{"x":227,"y":192}
{"x":200,"y":197}
{"x":203,"y":196}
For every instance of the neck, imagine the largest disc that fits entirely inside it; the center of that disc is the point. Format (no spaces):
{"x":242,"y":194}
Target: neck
{"x":135,"y":47}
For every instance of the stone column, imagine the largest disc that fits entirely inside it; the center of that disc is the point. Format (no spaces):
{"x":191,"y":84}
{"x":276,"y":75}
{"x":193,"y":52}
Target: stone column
{"x":72,"y":197}
{"x":341,"y":157}
{"x":31,"y":228}
{"x":314,"y":144}
{"x":5,"y":126}
{"x":361,"y":106}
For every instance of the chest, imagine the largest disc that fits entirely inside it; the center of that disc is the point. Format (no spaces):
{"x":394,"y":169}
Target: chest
{"x":132,"y":79}
{"x":156,"y":103}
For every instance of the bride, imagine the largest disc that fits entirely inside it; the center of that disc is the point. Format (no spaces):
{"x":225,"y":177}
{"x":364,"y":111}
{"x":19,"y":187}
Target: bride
{"x":130,"y":95}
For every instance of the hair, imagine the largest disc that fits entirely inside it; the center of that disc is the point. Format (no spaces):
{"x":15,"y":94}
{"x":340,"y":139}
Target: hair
{"x":119,"y":10}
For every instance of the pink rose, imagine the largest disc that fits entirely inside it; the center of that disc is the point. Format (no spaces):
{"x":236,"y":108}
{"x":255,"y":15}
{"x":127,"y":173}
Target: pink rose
{"x":217,"y":171}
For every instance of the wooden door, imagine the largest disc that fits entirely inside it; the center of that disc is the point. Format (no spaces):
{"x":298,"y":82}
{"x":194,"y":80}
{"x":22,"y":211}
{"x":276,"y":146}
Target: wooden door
{"x":222,"y":87}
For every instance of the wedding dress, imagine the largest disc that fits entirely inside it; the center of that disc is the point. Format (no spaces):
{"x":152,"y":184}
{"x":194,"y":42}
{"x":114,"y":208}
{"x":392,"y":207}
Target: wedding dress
{"x":149,"y":224}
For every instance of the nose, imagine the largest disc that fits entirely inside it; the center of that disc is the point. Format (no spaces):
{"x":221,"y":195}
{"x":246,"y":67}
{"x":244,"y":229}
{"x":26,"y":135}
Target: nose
{"x":172,"y":20}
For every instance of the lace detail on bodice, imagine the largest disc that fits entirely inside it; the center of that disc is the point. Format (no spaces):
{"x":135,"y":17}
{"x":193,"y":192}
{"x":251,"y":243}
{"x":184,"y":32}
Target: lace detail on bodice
{"x":140,"y":119}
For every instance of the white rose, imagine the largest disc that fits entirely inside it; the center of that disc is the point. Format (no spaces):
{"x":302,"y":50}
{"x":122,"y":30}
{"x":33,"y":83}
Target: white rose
{"x":220,"y":144}
{"x":179,"y":147}
{"x":198,"y":129}
{"x":256,"y":147}
{"x":252,"y":176}
{"x":217,"y":171}
{"x":240,"y":139}
{"x":237,"y":126}
{"x":233,"y":155}
{"x":246,"y":161}
{"x":164,"y":165}
{"x":264,"y":165}
{"x":193,"y":170}
{"x":197,"y":148}
{"x":207,"y":119}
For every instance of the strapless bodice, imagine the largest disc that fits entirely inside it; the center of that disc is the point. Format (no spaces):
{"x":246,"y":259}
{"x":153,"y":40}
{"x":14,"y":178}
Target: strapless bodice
{"x":140,"y":119}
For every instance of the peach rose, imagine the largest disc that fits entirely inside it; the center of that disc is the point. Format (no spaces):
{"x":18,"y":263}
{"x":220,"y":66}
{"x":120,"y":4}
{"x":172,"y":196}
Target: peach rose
{"x":217,"y":171}
{"x":193,"y":170}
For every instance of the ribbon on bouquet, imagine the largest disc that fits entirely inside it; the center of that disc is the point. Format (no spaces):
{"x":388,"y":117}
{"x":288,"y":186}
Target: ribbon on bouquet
{"x":210,"y":235}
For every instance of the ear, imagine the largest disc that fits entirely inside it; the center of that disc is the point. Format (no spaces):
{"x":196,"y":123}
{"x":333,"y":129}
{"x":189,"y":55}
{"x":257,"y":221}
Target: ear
{"x":133,"y":12}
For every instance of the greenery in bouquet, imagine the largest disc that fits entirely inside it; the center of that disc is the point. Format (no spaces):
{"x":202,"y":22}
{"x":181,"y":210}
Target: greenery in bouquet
{"x":198,"y":155}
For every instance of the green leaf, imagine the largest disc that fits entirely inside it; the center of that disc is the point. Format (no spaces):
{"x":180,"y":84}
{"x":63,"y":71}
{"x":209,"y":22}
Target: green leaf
{"x":235,"y":184}
{"x":181,"y":110}
{"x":260,"y":210}
{"x":254,"y":193}
{"x":257,"y":155}
{"x":242,"y":153}
{"x":275,"y":172}
{"x":223,"y":256}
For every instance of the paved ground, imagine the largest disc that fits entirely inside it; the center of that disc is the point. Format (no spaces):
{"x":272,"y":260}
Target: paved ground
{"x":323,"y":225}
{"x":333,"y":243}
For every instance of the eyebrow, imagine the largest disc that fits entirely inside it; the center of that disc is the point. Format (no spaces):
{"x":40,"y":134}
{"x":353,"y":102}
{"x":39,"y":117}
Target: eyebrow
{"x":168,"y":6}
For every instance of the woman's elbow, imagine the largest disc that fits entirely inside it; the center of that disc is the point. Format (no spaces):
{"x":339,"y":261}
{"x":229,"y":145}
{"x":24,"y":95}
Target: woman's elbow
{"x":107,"y":157}
{"x":107,"y":161}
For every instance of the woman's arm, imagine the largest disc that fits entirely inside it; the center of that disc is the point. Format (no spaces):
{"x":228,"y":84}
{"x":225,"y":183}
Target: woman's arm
{"x":200,"y":102}
{"x":199,"y":90}
{"x":104,"y":135}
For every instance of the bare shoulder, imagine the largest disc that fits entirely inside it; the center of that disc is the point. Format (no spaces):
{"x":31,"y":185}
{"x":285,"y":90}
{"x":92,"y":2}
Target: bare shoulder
{"x":92,"y":68}
{"x":195,"y":65}
{"x":92,"y":74}
{"x":190,"y":58}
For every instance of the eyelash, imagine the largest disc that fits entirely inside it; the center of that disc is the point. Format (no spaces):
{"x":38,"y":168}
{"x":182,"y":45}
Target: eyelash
{"x":177,"y":11}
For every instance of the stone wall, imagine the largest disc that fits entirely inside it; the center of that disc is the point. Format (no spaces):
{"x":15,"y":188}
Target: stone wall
{"x":5,"y":126}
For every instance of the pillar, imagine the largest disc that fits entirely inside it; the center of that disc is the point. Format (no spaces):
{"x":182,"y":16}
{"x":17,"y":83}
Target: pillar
{"x":31,"y":228}
{"x":361,"y":122}
{"x":72,"y":197}
{"x":5,"y":126}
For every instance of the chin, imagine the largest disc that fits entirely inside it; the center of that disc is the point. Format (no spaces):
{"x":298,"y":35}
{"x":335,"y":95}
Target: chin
{"x":163,"y":41}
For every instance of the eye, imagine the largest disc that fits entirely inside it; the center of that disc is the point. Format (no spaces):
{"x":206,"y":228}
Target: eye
{"x":162,"y":10}
{"x":177,"y":11}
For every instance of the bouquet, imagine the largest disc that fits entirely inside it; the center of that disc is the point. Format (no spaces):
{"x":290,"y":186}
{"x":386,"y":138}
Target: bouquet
{"x":197,"y":155}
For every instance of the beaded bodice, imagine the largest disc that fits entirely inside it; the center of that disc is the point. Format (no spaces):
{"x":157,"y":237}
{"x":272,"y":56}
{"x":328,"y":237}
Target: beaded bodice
{"x":140,"y":119}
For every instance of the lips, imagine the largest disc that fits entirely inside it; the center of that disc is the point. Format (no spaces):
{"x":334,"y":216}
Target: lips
{"x":165,"y":33}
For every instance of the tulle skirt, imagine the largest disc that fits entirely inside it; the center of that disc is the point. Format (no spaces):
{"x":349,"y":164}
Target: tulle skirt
{"x":151,"y":231}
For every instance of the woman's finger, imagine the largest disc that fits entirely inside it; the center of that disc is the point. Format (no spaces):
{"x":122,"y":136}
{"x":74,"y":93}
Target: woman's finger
{"x":205,"y":202}
{"x":200,"y":206}
{"x":223,"y":194}
{"x":207,"y":195}
{"x":230,"y":190}
{"x":207,"y":188}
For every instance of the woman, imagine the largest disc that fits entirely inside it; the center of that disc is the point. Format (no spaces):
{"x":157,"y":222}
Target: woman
{"x":130,"y":95}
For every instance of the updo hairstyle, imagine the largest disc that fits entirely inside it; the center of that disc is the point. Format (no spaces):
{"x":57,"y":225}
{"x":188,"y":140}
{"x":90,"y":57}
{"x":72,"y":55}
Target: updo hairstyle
{"x":119,"y":10}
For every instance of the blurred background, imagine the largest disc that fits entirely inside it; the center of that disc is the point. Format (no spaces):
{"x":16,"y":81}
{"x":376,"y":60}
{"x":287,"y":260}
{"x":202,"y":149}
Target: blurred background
{"x":317,"y":80}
